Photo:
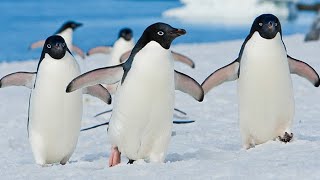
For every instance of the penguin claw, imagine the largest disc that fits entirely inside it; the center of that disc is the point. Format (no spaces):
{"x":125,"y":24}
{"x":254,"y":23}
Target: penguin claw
{"x":130,"y":161}
{"x":286,"y":137}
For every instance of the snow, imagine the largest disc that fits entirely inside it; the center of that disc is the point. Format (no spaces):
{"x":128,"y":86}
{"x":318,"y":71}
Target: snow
{"x":228,"y":11}
{"x":210,"y":148}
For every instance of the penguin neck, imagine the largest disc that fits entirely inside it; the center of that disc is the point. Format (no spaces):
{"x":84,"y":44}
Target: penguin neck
{"x":67,"y":36}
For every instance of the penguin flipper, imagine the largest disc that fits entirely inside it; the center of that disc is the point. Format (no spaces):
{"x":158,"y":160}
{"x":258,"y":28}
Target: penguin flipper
{"x":188,"y":85}
{"x":226,"y":73}
{"x":38,"y":44}
{"x":304,"y":70}
{"x":77,"y":50}
{"x":125,"y":56}
{"x":182,"y":58}
{"x":100,"y":49}
{"x":26,"y":79}
{"x":98,"y":91}
{"x":106,"y":75}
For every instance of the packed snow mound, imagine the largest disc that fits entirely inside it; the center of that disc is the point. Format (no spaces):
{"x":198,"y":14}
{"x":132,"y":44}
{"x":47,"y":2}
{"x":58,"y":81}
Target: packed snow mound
{"x":230,"y":11}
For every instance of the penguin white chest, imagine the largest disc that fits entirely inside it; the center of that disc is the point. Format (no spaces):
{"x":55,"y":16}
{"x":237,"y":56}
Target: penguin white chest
{"x":142,"y":116}
{"x":54,"y":115}
{"x":120,"y":47}
{"x":266,"y":104}
{"x":67,"y":36}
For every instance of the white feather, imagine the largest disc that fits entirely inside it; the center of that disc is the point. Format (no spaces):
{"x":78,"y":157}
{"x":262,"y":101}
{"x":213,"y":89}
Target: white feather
{"x":67,"y":36}
{"x":120,"y":47}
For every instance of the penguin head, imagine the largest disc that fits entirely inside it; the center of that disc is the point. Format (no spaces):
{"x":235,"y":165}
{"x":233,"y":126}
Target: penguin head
{"x":126,"y":33}
{"x":69,"y":24}
{"x":268,"y":25}
{"x":55,"y":46}
{"x":162,"y":33}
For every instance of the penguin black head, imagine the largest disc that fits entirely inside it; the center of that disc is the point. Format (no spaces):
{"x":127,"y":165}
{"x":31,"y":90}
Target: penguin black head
{"x":162,"y":33}
{"x":55,"y":46}
{"x":69,"y":24}
{"x":126,"y":33}
{"x":268,"y":25}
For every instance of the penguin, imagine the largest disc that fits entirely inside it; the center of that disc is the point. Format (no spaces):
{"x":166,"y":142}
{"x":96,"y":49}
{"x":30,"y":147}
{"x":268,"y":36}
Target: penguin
{"x":66,"y":31}
{"x":263,"y":68}
{"x":54,"y":116}
{"x":124,"y":43}
{"x":141,"y":122}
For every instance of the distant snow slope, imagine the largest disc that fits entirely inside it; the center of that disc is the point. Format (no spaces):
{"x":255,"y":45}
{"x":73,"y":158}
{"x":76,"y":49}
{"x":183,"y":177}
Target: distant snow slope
{"x":229,"y":11}
{"x":210,"y":148}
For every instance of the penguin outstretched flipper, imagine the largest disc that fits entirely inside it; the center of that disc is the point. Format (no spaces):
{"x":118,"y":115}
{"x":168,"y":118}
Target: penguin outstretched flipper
{"x":77,"y":50}
{"x":38,"y":44}
{"x":125,"y":56}
{"x":98,"y":91}
{"x":304,"y":70}
{"x":182,"y":58}
{"x":26,"y":79}
{"x":188,"y":85}
{"x":229,"y":72}
{"x":176,"y":56}
{"x":100,"y":49}
{"x":107,"y":75}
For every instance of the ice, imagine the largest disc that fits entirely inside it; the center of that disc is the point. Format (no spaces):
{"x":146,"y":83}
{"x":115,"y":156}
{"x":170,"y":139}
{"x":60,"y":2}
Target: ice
{"x":230,"y":11}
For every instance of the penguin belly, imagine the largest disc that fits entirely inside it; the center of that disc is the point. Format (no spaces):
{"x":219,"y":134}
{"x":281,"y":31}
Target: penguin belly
{"x":141,"y":121}
{"x":266,"y":102}
{"x":67,"y":36}
{"x":120,"y":47}
{"x":54,"y":115}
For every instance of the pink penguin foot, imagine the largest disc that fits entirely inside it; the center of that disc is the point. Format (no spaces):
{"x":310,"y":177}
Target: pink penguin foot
{"x":115,"y":157}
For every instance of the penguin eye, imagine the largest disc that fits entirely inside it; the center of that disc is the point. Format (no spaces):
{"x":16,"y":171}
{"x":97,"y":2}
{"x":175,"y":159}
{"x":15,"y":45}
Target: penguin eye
{"x":49,"y":46}
{"x":275,"y":24}
{"x":160,"y":33}
{"x":260,"y":24}
{"x":63,"y":44}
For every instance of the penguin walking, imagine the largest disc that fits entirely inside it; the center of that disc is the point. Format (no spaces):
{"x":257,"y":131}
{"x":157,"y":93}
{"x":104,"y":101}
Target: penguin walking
{"x":54,"y":116}
{"x":141,"y":122}
{"x":66,"y":31}
{"x":263,"y":67}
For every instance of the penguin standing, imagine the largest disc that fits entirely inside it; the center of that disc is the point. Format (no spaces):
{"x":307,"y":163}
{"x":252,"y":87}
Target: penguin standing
{"x":54,"y":116}
{"x":66,"y":31}
{"x":266,"y":102}
{"x":123,"y":44}
{"x":141,"y":122}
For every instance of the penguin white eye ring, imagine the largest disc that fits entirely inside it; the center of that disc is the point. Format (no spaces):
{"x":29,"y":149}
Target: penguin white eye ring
{"x":260,"y":24}
{"x":49,"y":46}
{"x":275,"y":24}
{"x":160,"y":33}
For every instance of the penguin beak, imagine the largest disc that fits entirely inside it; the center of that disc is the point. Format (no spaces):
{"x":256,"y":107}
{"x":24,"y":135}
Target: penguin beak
{"x":179,"y":32}
{"x":128,"y":37}
{"x":60,"y":45}
{"x":271,"y":25}
{"x":78,"y":25}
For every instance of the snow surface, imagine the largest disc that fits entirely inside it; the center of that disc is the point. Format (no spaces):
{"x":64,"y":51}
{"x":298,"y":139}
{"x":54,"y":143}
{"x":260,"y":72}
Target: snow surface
{"x":230,"y":11}
{"x":210,"y":148}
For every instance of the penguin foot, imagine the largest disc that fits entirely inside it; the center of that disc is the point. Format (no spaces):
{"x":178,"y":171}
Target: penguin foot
{"x":115,"y":157}
{"x":130,"y":161}
{"x":286,"y":137}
